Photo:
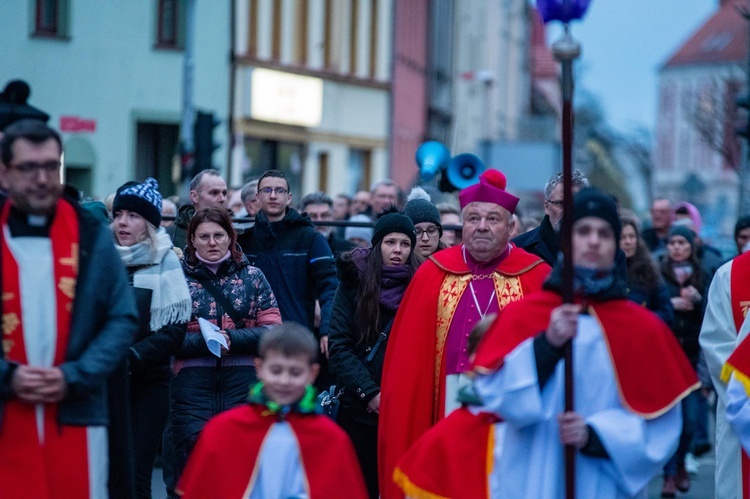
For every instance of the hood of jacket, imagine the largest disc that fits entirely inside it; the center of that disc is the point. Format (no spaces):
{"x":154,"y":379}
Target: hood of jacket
{"x":349,"y":266}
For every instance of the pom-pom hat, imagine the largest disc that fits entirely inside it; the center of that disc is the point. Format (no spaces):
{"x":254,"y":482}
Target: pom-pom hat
{"x":490,"y":189}
{"x":144,"y":199}
{"x":420,"y":209}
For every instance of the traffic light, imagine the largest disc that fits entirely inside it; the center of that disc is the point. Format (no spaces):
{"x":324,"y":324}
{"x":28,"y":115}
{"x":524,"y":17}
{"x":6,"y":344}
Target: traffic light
{"x":743,"y":129}
{"x":203,"y":137}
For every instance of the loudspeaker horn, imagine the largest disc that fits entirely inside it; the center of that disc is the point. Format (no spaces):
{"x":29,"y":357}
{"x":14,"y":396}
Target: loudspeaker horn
{"x":431,"y":157}
{"x":464,"y":170}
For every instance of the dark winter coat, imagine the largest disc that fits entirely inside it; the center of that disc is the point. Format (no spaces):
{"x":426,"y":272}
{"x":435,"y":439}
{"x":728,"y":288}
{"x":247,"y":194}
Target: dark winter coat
{"x":687,"y":324}
{"x":298,"y":264}
{"x":178,"y":230}
{"x":542,"y":242}
{"x":347,"y":355}
{"x":149,"y":357}
{"x":656,"y":300}
{"x":205,"y":385}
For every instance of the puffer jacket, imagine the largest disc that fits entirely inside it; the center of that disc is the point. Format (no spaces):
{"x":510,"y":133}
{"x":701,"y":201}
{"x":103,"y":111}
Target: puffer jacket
{"x":205,"y":385}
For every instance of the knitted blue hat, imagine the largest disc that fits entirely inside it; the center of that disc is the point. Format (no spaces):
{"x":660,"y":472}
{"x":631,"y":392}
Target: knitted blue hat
{"x":143,"y":199}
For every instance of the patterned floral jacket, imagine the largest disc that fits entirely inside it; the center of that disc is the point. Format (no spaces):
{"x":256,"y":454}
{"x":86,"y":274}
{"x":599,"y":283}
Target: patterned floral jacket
{"x":247,"y":289}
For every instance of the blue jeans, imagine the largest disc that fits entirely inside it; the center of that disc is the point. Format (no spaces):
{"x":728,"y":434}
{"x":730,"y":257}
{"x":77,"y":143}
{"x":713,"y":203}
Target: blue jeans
{"x":689,"y":423}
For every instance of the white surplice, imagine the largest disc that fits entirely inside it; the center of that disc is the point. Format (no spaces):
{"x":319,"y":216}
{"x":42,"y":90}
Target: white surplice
{"x":531,"y":465}
{"x":280,"y":472}
{"x":718,"y":340}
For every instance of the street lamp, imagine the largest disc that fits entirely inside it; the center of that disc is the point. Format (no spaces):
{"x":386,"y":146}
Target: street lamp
{"x":566,"y":50}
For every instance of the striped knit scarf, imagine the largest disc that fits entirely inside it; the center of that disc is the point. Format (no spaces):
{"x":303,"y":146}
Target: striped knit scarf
{"x":162,"y":274}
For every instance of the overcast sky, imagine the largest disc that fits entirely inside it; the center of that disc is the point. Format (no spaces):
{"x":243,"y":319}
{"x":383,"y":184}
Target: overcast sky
{"x":624,"y":43}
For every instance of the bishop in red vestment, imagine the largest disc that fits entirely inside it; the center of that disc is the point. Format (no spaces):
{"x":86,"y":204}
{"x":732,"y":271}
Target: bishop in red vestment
{"x":426,"y":354}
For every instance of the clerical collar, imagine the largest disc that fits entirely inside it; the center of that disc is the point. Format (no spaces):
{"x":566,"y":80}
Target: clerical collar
{"x":488,"y":267}
{"x":25,"y":225}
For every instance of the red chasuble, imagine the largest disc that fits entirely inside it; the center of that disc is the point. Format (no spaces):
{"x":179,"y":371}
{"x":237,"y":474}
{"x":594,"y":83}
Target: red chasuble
{"x":453,"y":459}
{"x":413,"y":384}
{"x":651,"y":370}
{"x":28,"y":468}
{"x":225,"y":463}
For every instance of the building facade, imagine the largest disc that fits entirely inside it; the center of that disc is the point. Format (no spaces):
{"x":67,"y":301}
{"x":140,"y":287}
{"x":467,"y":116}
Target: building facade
{"x":312,"y":92}
{"x":110,"y":76}
{"x":697,"y":154}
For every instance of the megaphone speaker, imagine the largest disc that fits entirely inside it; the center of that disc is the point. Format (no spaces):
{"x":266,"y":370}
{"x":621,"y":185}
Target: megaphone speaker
{"x":431,"y":157}
{"x":464,"y":170}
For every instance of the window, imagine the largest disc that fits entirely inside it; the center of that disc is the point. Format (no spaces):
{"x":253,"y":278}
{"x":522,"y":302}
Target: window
{"x":170,"y":24}
{"x":50,"y":18}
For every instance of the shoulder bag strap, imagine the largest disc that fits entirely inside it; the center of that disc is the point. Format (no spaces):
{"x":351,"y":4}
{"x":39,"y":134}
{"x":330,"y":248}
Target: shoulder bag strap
{"x":222,"y":300}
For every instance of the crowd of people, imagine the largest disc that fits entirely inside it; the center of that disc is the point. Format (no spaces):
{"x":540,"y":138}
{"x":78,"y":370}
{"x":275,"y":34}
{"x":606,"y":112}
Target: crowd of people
{"x":138,"y":330}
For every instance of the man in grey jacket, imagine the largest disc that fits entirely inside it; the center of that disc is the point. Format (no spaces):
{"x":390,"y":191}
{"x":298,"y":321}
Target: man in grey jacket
{"x":68,"y":320}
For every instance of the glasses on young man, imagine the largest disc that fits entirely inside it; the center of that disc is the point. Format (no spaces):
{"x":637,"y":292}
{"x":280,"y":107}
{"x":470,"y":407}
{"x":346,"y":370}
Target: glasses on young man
{"x":280,"y":191}
{"x":431,"y":232}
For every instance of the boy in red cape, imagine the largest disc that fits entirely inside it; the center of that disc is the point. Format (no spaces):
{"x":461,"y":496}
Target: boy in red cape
{"x":278,"y":446}
{"x":630,"y":376}
{"x":456,"y":456}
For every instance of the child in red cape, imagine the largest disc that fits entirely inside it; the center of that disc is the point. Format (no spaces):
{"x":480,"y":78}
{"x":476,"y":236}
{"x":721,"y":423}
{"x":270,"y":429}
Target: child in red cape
{"x":278,"y":446}
{"x":455,"y":458}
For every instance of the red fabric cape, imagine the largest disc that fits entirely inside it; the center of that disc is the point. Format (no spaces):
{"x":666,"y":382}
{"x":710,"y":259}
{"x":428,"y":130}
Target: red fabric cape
{"x":224,"y":461}
{"x":408,"y":384}
{"x":651,"y":371}
{"x":452,"y":460}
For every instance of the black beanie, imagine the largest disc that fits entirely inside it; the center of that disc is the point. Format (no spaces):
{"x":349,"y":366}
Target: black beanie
{"x":393,"y":221}
{"x":591,"y":202}
{"x":143,"y":199}
{"x":684,"y":231}
{"x":420,"y":209}
{"x":742,"y":223}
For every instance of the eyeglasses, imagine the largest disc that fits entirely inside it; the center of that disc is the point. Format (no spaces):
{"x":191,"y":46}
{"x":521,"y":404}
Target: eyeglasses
{"x":218,"y":237}
{"x":280,"y":191}
{"x":431,"y":232}
{"x":30,"y":168}
{"x":555,"y":203}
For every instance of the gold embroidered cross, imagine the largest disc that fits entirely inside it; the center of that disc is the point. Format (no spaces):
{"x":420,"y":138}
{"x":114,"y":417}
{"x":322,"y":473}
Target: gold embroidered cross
{"x":73,"y":259}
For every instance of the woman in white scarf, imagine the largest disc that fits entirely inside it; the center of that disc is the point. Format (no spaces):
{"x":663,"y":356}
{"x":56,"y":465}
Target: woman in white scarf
{"x":164,"y":308}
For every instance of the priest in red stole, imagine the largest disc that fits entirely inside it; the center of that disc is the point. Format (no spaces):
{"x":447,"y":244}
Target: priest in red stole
{"x":630,"y":376}
{"x":723,"y":330}
{"x":68,"y":319}
{"x":736,"y":375}
{"x":426,"y":355}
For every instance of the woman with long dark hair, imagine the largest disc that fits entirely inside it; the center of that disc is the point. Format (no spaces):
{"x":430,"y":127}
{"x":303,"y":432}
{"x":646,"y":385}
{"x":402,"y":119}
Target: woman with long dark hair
{"x":645,"y":283}
{"x":234,"y":296}
{"x":372,"y":283}
{"x":687,"y":284}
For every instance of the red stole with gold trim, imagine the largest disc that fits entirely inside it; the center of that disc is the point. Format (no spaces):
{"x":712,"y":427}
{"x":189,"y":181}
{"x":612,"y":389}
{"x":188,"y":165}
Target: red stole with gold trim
{"x":740,"y":300}
{"x":29,"y":468}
